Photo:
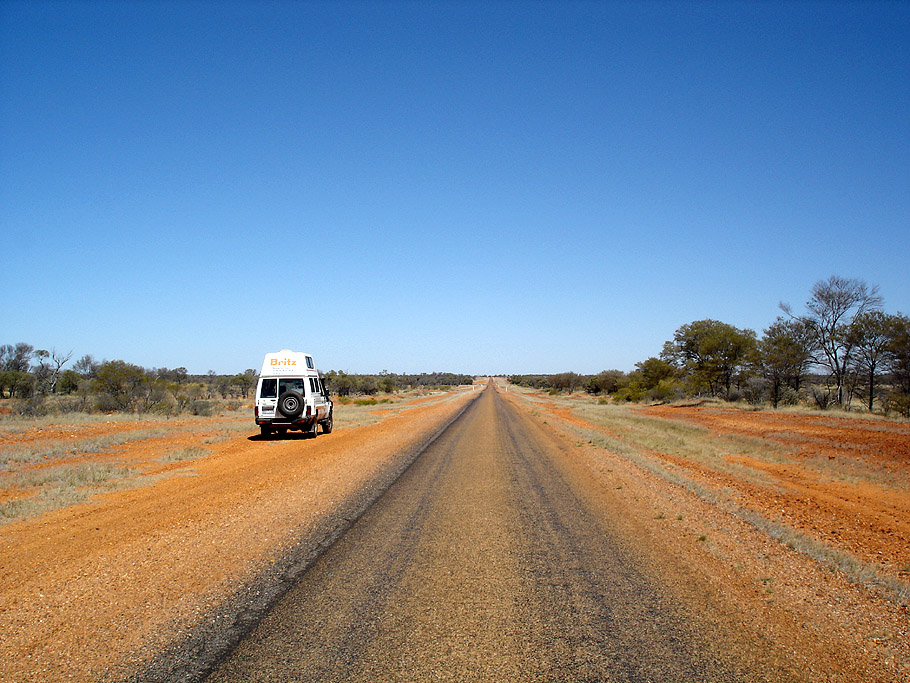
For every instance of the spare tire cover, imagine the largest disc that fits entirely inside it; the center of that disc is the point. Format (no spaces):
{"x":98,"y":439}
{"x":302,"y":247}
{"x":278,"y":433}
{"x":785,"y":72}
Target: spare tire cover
{"x":290,"y":404}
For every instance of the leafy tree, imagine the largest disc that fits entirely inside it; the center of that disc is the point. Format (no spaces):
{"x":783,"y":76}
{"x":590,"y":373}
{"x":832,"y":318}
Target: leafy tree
{"x":565,"y":381}
{"x":150,"y":394}
{"x":898,"y":363}
{"x":16,"y":383}
{"x":178,"y":375}
{"x":223,"y":385}
{"x":83,"y":391}
{"x":86,"y":366}
{"x":16,"y":358}
{"x":69,"y":381}
{"x":367,"y":384}
{"x":834,"y":304}
{"x":246,"y":381}
{"x":342,"y":383}
{"x":652,"y":372}
{"x":711,"y":353}
{"x":606,"y":382}
{"x":784,"y":355}
{"x":870,"y":334}
{"x":119,"y":384}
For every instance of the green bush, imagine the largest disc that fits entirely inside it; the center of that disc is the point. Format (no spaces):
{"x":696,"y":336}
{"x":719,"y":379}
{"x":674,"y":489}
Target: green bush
{"x":788,"y":397}
{"x":667,"y":390}
{"x":628,"y":394}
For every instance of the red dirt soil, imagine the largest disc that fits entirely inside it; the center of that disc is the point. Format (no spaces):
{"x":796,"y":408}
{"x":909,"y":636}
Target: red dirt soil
{"x":844,"y":481}
{"x":866,"y":514}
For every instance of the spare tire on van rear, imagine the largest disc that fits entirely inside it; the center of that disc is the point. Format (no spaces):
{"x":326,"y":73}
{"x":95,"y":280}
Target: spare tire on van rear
{"x":290,"y":404}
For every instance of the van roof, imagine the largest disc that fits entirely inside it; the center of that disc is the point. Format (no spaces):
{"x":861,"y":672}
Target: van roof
{"x":288,"y":363}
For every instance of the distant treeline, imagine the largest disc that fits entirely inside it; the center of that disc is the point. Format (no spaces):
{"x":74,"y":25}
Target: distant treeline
{"x":843,"y":349}
{"x":41,"y":381}
{"x":344,"y":384}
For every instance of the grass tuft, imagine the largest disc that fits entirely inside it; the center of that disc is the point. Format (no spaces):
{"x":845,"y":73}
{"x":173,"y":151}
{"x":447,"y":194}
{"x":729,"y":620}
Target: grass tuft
{"x":189,"y":453}
{"x":61,"y":486}
{"x":39,"y":452}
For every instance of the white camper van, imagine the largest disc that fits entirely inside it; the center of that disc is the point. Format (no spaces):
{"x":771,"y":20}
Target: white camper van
{"x":291,"y":394}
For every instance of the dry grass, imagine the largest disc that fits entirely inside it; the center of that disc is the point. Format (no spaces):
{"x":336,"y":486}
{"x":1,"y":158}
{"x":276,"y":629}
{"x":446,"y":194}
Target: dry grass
{"x":12,"y":423}
{"x":16,"y":424}
{"x":189,"y":453}
{"x":687,"y":441}
{"x":51,"y":488}
{"x":48,"y":450}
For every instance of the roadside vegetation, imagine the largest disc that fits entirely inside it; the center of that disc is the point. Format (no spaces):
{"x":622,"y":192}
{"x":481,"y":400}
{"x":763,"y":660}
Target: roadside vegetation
{"x":36,"y":382}
{"x":843,"y":351}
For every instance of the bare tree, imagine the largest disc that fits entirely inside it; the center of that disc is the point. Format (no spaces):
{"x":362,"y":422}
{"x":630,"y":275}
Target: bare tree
{"x":50,"y":363}
{"x":833,"y":306}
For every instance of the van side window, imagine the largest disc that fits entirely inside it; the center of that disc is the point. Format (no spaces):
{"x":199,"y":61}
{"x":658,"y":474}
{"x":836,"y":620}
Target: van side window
{"x":269,"y":389}
{"x":309,"y":363}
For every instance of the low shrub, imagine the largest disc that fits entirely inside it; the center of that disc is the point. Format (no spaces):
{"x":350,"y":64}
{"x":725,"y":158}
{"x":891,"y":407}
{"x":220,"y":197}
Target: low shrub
{"x":898,"y":403}
{"x":823,"y":397}
{"x":755,"y":391}
{"x":202,"y":407}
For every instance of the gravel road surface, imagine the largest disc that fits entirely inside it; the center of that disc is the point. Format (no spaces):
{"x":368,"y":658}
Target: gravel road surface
{"x":496,"y":557}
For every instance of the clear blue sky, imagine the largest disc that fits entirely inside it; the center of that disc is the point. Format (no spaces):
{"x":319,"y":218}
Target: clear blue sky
{"x":473,"y":187}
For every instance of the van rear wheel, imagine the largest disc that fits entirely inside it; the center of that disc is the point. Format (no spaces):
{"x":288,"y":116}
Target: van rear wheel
{"x":265,"y":431}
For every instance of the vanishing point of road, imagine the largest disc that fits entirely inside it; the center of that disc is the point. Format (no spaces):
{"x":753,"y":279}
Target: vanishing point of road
{"x":495,"y":557}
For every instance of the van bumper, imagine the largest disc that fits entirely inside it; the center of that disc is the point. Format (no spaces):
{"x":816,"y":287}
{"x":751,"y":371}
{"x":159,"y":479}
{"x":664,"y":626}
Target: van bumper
{"x":289,"y":424}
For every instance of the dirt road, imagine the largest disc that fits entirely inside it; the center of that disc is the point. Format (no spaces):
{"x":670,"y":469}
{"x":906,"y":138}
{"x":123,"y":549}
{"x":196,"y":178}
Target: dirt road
{"x":496,"y":557}
{"x":538,"y":538}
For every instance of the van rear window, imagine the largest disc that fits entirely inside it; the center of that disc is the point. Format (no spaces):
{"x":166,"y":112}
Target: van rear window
{"x":291,"y":384}
{"x":269,"y":389}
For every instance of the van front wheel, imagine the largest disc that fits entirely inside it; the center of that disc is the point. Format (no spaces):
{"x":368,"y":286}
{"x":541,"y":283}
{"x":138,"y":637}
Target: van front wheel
{"x":327,"y":425}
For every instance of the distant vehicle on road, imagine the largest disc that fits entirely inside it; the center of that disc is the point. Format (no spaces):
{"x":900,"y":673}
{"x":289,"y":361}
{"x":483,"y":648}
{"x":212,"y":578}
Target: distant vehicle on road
{"x":291,"y":394}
